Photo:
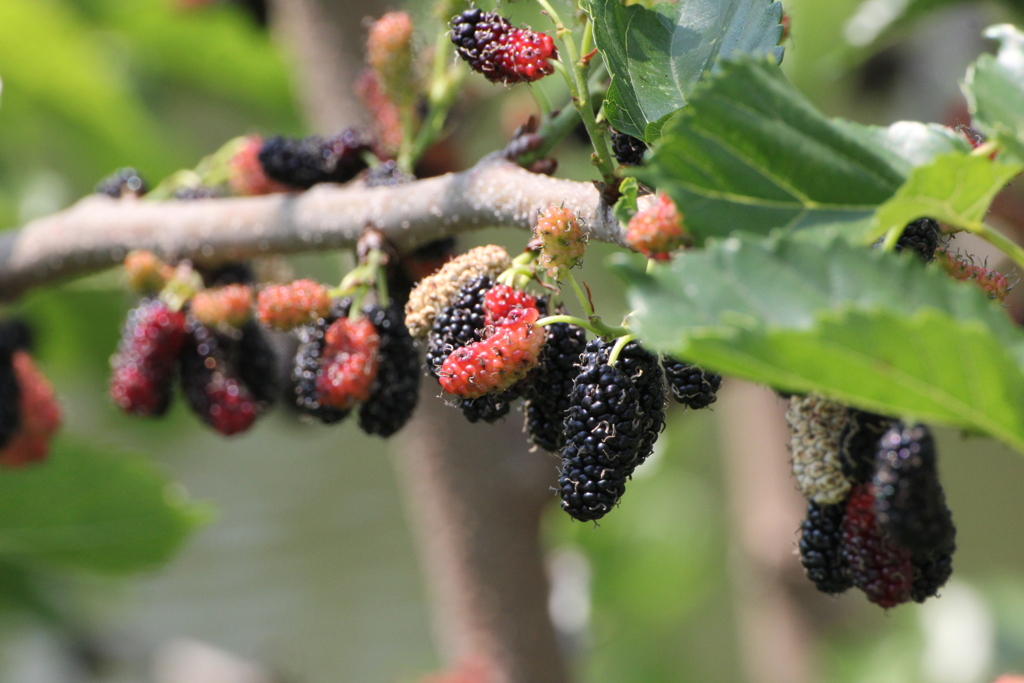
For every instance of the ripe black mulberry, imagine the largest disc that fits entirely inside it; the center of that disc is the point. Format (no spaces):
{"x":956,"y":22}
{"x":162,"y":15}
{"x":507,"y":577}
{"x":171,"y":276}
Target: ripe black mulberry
{"x":396,"y":388}
{"x":821,"y":548}
{"x":603,"y":436}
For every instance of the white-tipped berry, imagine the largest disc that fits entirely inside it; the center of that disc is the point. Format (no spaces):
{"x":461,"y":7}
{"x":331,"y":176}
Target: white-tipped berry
{"x":816,"y":426}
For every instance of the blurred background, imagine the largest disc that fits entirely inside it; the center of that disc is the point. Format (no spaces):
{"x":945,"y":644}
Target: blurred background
{"x":302,"y":565}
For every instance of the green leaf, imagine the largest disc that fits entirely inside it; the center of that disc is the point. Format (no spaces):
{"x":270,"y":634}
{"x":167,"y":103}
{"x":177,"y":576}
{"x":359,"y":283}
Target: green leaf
{"x":89,"y":509}
{"x":871,"y":329}
{"x":625,"y":207}
{"x":995,"y":91}
{"x":956,"y":189}
{"x":656,"y":56}
{"x":750,"y":153}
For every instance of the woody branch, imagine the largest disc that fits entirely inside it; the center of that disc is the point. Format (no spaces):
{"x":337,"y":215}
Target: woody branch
{"x":97,"y":232}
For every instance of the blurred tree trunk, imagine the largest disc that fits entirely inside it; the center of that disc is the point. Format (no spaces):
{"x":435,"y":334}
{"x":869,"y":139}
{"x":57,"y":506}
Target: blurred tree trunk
{"x":475,"y":494}
{"x":325,"y":39}
{"x":773,"y":625}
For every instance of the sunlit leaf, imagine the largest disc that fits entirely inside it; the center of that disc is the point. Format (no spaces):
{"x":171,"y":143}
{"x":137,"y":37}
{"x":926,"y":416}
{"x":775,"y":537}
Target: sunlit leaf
{"x":868,"y":328}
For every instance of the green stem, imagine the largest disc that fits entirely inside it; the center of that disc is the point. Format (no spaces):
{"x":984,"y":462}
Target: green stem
{"x":579,"y":88}
{"x":1001,"y":242}
{"x":546,"y":6}
{"x":407,"y":117}
{"x":620,"y":344}
{"x":891,"y":238}
{"x":355,"y":310}
{"x":445,"y":82}
{"x":587,"y":43}
{"x":441,"y":100}
{"x":543,"y":103}
{"x":555,"y":128}
{"x":571,"y":319}
{"x":594,"y":325}
{"x":580,"y":296}
{"x":382,"y":287}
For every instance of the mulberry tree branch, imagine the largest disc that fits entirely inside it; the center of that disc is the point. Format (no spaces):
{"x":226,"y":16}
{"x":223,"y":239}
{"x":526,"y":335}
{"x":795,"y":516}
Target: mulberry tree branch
{"x":97,"y":232}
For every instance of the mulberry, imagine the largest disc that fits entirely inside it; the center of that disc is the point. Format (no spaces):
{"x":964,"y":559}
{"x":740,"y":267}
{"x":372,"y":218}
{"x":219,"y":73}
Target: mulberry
{"x":459,"y":324}
{"x":509,"y":351}
{"x":490,"y":408}
{"x":435,"y":293}
{"x":931,"y":574}
{"x":258,"y":365}
{"x":145,"y":272}
{"x":501,"y":299}
{"x":499,"y":51}
{"x":821,"y":548}
{"x":284,"y":307}
{"x":304,"y":162}
{"x":308,"y":365}
{"x":963,"y":269}
{"x":349,"y":362}
{"x":40,"y":415}
{"x":657,"y":229}
{"x":212,"y":385}
{"x":643,"y":368}
{"x":124,"y":182}
{"x":603,"y":436}
{"x":689,"y":384}
{"x":396,"y":389}
{"x":143,"y":367}
{"x":10,"y":399}
{"x":561,"y":237}
{"x":246,"y":177}
{"x":922,"y":237}
{"x":858,"y":444}
{"x":911,"y":505}
{"x":628,"y":150}
{"x":816,"y":425}
{"x":551,"y":385}
{"x":877,"y":564}
{"x":230,"y":305}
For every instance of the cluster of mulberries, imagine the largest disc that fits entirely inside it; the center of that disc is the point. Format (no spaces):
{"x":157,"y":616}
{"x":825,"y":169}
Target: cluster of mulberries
{"x":304,"y":162}
{"x":500,"y":51}
{"x":228,"y":374}
{"x":29,"y":414}
{"x":224,"y":361}
{"x":207,"y":330}
{"x":877,"y":517}
{"x":484,"y":348}
{"x":483,"y":344}
{"x":436,"y":292}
